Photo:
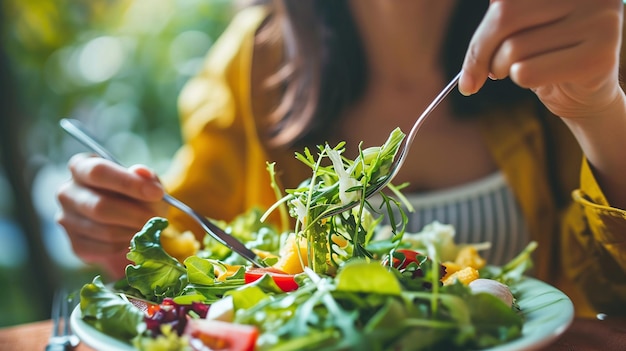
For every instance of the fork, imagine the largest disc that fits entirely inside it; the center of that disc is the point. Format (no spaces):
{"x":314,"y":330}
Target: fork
{"x":76,"y":129}
{"x":62,"y":338}
{"x":404,"y":148}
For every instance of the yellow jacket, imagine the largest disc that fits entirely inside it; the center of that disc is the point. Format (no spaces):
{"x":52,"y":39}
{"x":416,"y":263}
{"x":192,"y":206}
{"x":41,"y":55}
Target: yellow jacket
{"x":221,"y":171}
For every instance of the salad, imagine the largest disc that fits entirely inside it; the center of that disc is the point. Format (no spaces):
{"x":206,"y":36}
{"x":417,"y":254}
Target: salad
{"x":355,"y":280}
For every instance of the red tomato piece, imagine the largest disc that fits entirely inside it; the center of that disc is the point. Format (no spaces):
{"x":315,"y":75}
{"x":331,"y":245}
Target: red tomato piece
{"x":409,"y":256}
{"x":207,"y":334}
{"x":147,"y":307}
{"x":285,"y":281}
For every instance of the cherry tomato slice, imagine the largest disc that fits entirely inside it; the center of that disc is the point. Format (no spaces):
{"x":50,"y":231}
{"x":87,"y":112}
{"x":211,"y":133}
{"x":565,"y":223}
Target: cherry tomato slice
{"x":146,"y":306}
{"x":207,"y":334}
{"x":286,"y":282}
{"x":400,"y":264}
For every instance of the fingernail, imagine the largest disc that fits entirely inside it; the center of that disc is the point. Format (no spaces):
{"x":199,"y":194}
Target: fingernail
{"x":143,"y":171}
{"x":492,"y":77}
{"x":466,"y":85}
{"x":464,"y":93}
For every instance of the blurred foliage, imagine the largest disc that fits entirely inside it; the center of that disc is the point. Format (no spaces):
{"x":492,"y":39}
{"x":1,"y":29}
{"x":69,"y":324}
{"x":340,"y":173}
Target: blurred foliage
{"x":118,"y":65}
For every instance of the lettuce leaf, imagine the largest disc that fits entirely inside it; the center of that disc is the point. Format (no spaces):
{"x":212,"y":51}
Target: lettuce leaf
{"x":367,"y":277}
{"x":155,"y":273}
{"x":109,"y":312}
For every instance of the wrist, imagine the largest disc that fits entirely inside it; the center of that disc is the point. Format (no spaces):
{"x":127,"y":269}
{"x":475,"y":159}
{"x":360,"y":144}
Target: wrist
{"x":602,"y":137}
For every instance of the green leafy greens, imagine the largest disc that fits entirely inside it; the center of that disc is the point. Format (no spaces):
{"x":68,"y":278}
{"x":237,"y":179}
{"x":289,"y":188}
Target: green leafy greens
{"x":347,"y":299}
{"x":337,"y":181}
{"x":365,"y":307}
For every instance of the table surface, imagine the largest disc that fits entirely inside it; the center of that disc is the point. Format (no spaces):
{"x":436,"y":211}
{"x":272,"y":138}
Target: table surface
{"x":583,"y":335}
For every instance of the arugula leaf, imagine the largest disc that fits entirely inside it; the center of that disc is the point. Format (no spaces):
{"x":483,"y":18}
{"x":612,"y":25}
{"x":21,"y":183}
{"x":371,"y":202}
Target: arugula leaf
{"x":200,"y":271}
{"x":109,"y":312}
{"x":155,"y":273}
{"x":337,"y":181}
{"x":206,"y":287}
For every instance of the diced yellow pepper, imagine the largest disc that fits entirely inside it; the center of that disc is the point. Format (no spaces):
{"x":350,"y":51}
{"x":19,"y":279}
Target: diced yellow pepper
{"x":451,"y":268}
{"x":222,"y":275}
{"x":292,"y":256}
{"x":464,"y":276}
{"x":469,"y":257}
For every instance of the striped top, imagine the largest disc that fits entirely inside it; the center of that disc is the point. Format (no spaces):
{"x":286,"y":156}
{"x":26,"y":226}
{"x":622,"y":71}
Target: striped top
{"x":481,"y":211}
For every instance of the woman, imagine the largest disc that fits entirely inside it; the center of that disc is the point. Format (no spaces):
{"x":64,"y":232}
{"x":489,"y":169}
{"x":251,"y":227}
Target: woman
{"x":290,"y":74}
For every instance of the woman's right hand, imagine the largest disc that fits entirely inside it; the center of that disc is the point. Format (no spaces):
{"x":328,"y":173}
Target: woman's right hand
{"x":103,"y":205}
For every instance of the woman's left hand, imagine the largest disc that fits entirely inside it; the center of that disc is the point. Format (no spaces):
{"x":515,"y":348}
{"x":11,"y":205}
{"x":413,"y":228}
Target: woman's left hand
{"x":566,"y":51}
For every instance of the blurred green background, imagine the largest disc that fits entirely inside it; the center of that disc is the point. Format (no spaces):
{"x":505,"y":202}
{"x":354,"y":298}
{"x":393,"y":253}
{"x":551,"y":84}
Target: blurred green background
{"x":118,"y":66}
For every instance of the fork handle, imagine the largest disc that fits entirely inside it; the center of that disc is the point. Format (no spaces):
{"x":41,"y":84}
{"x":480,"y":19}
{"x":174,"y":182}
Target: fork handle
{"x":66,"y":346}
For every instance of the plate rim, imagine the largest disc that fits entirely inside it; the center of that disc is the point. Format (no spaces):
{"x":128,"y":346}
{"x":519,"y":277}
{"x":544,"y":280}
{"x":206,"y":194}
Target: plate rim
{"x":93,"y":337}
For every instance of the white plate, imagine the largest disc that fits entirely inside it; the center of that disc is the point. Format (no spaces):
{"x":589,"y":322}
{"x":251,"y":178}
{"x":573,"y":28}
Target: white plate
{"x":548,"y":314}
{"x":94,"y":338}
{"x":547,"y":310}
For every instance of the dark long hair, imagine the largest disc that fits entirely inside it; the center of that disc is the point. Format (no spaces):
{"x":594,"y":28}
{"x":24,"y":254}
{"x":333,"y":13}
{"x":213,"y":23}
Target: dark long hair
{"x":326,"y":69}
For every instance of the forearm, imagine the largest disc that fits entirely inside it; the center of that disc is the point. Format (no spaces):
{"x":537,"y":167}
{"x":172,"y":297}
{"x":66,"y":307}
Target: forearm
{"x":603,"y":141}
